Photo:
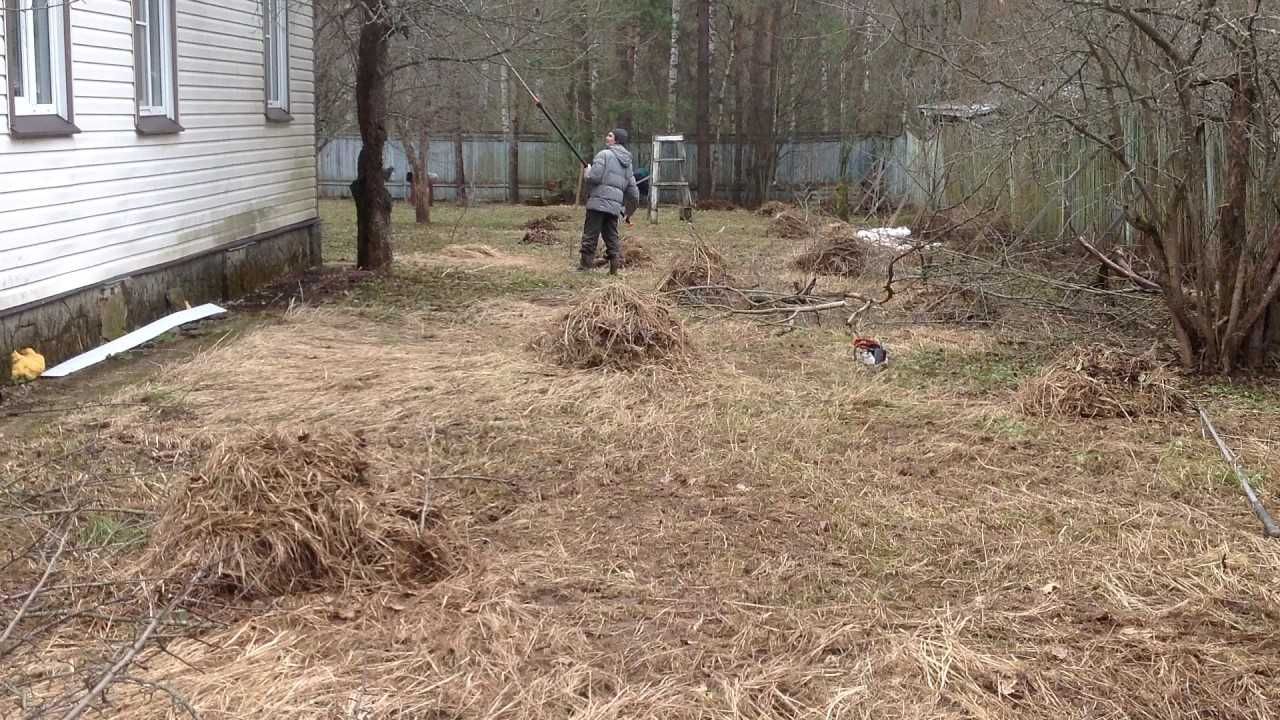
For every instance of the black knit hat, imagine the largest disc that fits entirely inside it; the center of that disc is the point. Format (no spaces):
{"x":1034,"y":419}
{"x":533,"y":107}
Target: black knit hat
{"x":620,"y":136}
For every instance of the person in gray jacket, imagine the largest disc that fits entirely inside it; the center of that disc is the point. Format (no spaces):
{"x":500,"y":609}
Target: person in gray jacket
{"x":611,"y":193}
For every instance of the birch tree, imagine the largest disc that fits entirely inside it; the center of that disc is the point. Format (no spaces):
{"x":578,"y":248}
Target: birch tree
{"x":673,"y":66}
{"x":703,"y":95}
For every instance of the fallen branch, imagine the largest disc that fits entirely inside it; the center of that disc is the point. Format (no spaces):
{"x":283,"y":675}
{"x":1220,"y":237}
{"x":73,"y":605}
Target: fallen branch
{"x":174,"y":695}
{"x":1269,"y":527}
{"x":1145,"y":283}
{"x":129,"y":654}
{"x":793,"y":308}
{"x":48,"y":570}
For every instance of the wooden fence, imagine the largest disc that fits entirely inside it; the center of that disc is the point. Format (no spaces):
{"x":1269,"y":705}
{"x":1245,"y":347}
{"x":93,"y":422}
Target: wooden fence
{"x":1046,"y":183}
{"x":802,"y":166}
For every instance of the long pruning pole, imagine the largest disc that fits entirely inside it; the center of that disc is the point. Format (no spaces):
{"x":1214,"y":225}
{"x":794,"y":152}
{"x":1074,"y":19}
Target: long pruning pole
{"x":537,"y":102}
{"x":1269,"y":527}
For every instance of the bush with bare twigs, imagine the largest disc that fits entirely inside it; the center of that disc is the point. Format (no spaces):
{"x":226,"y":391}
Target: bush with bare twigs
{"x":838,"y":252}
{"x":617,"y":327}
{"x":963,"y":229}
{"x":1097,"y":381}
{"x":278,"y":514}
{"x":948,"y":304}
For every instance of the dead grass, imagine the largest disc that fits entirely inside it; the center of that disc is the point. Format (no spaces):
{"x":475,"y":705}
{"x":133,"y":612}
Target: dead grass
{"x":471,"y":251}
{"x":1098,"y":381}
{"x":281,"y":513}
{"x":837,"y":252}
{"x":774,"y":535}
{"x":617,"y":327}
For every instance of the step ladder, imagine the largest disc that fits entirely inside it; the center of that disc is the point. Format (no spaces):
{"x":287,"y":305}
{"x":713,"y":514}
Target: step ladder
{"x":669,"y":172}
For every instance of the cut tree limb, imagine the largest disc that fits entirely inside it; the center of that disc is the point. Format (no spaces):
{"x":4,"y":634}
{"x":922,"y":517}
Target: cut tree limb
{"x":48,"y":570}
{"x":130,"y":653}
{"x":1269,"y":527}
{"x":784,"y":309}
{"x":1140,"y":281}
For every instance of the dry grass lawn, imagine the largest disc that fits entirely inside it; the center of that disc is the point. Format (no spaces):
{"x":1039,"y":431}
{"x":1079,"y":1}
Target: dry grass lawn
{"x":767,"y":530}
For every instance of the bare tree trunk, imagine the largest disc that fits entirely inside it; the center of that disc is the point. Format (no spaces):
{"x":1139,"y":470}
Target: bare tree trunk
{"x":459,"y":167}
{"x":586,"y":115}
{"x":1233,"y":223}
{"x":857,"y":81}
{"x":673,"y":66}
{"x":824,"y":95}
{"x":724,"y":89}
{"x":627,"y":54}
{"x":422,"y":180}
{"x":373,"y":201}
{"x":416,"y":154}
{"x":792,"y":89}
{"x":513,"y":160}
{"x":764,"y":101}
{"x":704,"y":99}
{"x":739,"y":132}
{"x":509,"y":132}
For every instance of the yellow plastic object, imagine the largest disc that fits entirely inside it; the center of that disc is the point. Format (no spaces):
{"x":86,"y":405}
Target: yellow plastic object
{"x":27,"y":365}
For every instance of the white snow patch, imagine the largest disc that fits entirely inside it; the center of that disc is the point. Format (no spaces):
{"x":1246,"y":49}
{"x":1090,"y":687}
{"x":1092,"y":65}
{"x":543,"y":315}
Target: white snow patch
{"x":893,"y":238}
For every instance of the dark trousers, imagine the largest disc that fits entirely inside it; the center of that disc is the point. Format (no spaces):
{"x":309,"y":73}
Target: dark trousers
{"x":597,"y":224}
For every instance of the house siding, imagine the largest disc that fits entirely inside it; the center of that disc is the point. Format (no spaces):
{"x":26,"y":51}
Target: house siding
{"x":108,"y":203}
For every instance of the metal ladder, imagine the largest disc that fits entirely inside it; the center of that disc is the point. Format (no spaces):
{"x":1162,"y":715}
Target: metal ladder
{"x":673,"y":164}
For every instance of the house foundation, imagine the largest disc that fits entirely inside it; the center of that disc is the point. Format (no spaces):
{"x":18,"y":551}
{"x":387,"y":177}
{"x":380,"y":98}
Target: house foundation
{"x":63,"y":327}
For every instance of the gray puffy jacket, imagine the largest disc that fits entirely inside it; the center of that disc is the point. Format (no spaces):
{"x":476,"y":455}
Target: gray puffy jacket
{"x":611,"y":182}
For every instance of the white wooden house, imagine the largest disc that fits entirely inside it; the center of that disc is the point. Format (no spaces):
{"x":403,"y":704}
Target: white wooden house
{"x":152,"y":153}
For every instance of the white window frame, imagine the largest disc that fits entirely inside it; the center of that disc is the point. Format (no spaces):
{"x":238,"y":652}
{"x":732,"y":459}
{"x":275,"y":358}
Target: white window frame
{"x":25,"y":104}
{"x":275,"y":36}
{"x":142,"y":29}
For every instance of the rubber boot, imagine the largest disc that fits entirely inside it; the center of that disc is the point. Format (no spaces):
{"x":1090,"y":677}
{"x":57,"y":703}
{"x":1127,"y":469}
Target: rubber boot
{"x":614,"y":264}
{"x":584,"y":262}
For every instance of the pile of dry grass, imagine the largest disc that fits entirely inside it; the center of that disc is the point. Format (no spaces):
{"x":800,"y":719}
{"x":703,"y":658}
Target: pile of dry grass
{"x":790,"y":225}
{"x":541,"y":236}
{"x":550,"y":221}
{"x":278,"y":514}
{"x":1097,"y":381}
{"x":838,"y":252}
{"x":470,"y":251}
{"x":618,"y":327}
{"x":634,"y":255}
{"x":773,"y":208}
{"x":700,"y":274}
{"x":963,"y":229}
